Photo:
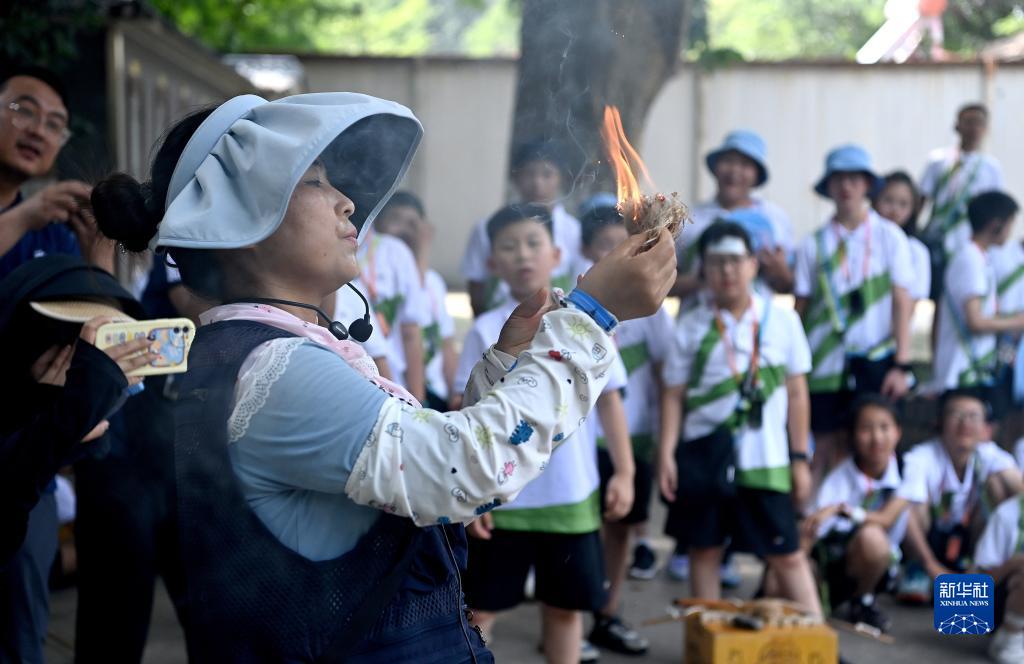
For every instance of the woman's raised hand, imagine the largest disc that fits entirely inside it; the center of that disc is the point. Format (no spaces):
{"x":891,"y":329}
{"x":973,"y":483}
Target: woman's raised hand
{"x":520,"y":328}
{"x":632,"y":281}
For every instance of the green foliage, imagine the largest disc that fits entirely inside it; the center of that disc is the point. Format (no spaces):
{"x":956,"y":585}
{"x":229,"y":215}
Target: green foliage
{"x":970,"y":24}
{"x":782,"y":29}
{"x":43,"y":32}
{"x":373,"y":27}
{"x":496,"y":32}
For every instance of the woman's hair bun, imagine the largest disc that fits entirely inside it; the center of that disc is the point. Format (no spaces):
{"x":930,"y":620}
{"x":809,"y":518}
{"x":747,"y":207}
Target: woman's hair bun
{"x":123,"y":211}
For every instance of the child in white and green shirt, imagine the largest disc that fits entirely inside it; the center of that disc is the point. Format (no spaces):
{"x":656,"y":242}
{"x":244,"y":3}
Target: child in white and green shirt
{"x":733,"y":441}
{"x":969,"y":318}
{"x":404,"y":217}
{"x":853,"y":281}
{"x":554,"y":524}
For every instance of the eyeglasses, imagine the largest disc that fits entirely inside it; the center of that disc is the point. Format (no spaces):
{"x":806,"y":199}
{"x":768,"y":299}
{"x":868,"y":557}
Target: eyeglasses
{"x":721,"y":262}
{"x":23,"y":117}
{"x":968,"y":416}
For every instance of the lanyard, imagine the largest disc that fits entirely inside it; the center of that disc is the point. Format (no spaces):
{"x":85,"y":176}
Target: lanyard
{"x":972,"y":496}
{"x":872,"y":500}
{"x":730,"y":353}
{"x":841,"y":249}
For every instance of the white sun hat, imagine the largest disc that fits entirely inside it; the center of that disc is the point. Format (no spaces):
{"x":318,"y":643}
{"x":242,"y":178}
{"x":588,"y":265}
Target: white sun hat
{"x":233,"y":181}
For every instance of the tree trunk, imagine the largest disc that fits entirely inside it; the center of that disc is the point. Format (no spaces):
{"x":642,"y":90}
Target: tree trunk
{"x":578,"y":56}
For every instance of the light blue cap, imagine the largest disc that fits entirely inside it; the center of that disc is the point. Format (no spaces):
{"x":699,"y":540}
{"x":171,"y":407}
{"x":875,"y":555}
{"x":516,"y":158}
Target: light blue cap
{"x":234,"y":179}
{"x":757,"y":226}
{"x":848,"y":159}
{"x":602,"y":199}
{"x":749,"y":144}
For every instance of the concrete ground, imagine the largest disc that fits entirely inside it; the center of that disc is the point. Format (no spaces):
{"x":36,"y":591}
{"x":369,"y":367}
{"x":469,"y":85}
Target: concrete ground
{"x":517,"y":633}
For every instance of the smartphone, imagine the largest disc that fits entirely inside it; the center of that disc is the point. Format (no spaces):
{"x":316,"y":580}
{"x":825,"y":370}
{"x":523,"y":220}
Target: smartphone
{"x":171,"y":338}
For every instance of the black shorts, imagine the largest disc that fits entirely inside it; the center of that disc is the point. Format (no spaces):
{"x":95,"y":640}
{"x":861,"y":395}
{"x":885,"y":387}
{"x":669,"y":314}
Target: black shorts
{"x":569,"y":570}
{"x":643,"y":482}
{"x":830,"y":411}
{"x":758,"y":521}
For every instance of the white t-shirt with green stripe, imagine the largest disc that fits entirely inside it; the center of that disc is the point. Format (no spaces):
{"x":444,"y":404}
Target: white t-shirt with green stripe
{"x":1008,"y":261}
{"x":642,"y":342}
{"x":699,"y":360}
{"x":846,"y":484}
{"x":823,"y":277}
{"x":962,"y":358}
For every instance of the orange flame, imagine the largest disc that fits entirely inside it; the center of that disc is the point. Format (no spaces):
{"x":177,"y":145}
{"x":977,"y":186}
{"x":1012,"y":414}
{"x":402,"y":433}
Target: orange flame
{"x":625,"y":162}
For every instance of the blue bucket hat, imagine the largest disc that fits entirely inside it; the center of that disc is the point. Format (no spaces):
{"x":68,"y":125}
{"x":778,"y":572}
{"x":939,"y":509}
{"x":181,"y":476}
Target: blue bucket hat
{"x":602,"y":199}
{"x":849,"y":159}
{"x":749,"y":144}
{"x":757,"y":226}
{"x":234,"y":179}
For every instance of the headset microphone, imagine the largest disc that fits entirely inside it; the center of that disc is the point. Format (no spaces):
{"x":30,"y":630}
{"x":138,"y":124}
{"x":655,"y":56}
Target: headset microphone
{"x":360,"y":329}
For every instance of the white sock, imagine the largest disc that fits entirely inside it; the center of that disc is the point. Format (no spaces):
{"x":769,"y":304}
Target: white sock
{"x":867,"y":599}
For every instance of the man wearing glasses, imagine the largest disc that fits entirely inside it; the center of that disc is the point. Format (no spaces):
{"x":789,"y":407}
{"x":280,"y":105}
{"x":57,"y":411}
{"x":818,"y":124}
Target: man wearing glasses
{"x":33,"y":129}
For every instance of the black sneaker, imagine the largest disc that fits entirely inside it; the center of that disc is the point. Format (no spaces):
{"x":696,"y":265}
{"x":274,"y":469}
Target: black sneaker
{"x":645,"y":563}
{"x":859,"y":611}
{"x":615,"y":635}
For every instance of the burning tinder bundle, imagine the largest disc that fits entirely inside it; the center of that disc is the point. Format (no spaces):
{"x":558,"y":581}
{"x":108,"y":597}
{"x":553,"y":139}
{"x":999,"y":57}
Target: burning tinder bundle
{"x":643,"y":212}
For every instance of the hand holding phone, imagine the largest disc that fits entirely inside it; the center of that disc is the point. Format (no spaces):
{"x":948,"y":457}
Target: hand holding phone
{"x":167,"y":339}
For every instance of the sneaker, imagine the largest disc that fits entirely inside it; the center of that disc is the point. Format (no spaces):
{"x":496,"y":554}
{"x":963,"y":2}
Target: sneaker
{"x":729,"y":575}
{"x":1006,"y":647}
{"x":615,"y":635}
{"x":864,"y":610}
{"x":589,"y":652}
{"x":915,"y":587}
{"x":645,"y":563}
{"x":679,"y":567}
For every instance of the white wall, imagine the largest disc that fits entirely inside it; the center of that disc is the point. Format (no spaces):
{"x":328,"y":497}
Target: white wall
{"x":898,"y":112}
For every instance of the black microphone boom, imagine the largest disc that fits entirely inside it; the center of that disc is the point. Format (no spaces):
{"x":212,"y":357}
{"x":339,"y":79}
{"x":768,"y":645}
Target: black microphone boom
{"x":360,"y":329}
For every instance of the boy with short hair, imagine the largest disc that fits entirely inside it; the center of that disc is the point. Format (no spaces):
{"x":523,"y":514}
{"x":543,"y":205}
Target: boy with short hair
{"x":969,"y":318}
{"x":733,"y":445}
{"x":852,"y":291}
{"x":1000,"y":552}
{"x":553,"y":525}
{"x":739,"y":166}
{"x":538,"y":174}
{"x":954,"y":481}
{"x":953,"y":175}
{"x":643,"y":344}
{"x":404,"y":217}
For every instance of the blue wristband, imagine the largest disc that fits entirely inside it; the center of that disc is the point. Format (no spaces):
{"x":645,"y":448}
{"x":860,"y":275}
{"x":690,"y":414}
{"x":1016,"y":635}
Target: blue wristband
{"x":588,"y":305}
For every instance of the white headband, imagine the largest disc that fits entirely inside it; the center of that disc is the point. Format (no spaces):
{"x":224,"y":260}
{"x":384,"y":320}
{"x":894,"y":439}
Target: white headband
{"x":730,"y":244}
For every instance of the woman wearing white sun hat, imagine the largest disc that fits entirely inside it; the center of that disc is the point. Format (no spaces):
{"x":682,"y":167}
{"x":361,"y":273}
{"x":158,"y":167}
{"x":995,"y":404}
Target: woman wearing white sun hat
{"x":319,"y":504}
